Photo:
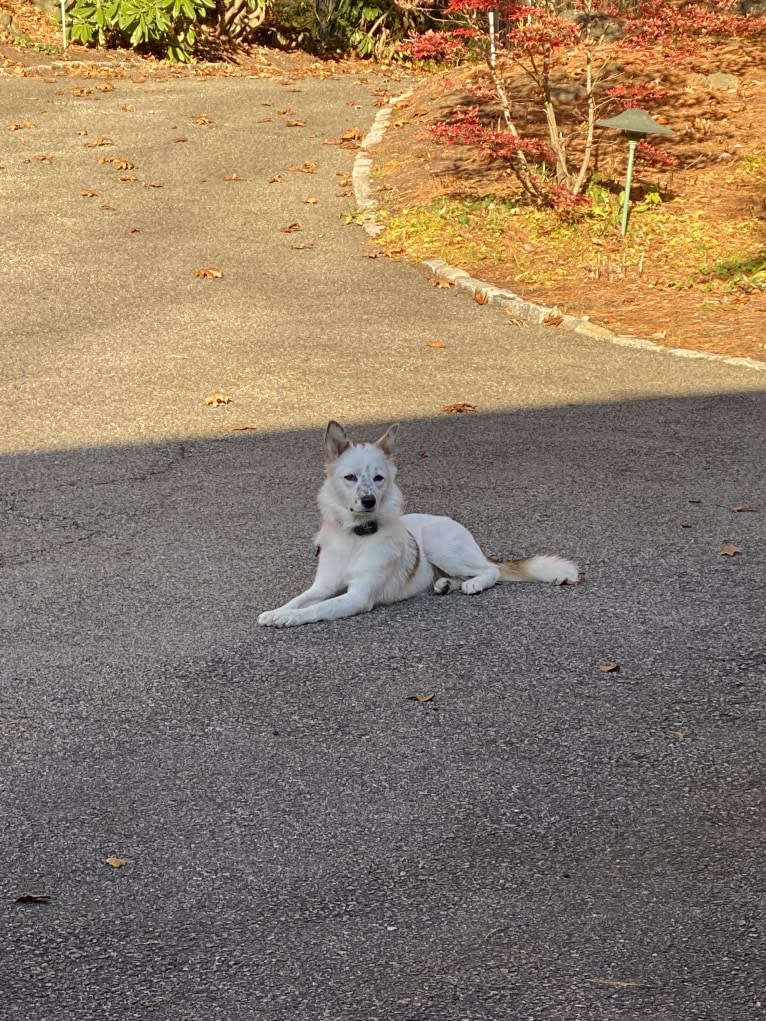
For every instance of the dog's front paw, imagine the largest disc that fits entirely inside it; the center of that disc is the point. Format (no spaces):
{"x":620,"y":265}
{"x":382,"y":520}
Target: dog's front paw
{"x":279,"y":618}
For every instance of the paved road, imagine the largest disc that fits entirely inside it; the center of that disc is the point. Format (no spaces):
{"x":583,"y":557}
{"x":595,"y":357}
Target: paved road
{"x":542,"y":840}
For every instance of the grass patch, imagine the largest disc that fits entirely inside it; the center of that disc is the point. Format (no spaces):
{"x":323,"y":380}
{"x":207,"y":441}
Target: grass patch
{"x":668,"y":243}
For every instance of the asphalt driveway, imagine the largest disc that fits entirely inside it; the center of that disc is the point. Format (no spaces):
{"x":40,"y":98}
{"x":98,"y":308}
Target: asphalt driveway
{"x":291,"y":836}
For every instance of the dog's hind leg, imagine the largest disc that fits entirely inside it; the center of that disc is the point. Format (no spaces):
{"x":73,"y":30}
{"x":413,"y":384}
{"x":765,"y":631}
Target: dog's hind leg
{"x":451,"y":548}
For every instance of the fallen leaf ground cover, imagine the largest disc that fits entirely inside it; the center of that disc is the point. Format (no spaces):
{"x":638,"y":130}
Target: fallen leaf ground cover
{"x":691,"y":272}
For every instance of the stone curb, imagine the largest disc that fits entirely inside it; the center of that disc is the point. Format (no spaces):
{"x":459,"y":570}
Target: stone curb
{"x":487,"y":293}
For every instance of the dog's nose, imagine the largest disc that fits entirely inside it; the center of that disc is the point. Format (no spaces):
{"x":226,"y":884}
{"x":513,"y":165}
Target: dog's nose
{"x":368,"y":502}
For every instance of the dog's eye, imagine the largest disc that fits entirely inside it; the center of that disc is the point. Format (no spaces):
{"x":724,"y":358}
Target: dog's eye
{"x":350,"y":478}
{"x":378,"y":478}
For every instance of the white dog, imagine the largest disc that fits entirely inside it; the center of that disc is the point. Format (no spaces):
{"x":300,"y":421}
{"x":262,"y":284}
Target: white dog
{"x":371,"y":553}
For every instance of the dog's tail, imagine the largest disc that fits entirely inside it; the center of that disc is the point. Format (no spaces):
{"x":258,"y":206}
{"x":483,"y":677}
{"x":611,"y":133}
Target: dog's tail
{"x":541,"y":568}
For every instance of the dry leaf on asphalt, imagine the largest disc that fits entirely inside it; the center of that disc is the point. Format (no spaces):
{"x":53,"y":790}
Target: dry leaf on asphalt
{"x":117,"y":162}
{"x":101,"y":140}
{"x":420,"y":698}
{"x":740,"y":509}
{"x":480,"y":297}
{"x":237,"y":427}
{"x":202,"y":118}
{"x":116,"y":862}
{"x":33,"y":898}
{"x":275,"y":179}
{"x":217,"y":398}
{"x":232,"y":177}
{"x":310,"y":201}
{"x":208,"y":273}
{"x":439,"y":282}
{"x":308,"y":167}
{"x":88,"y":194}
{"x":461,"y":408}
{"x":352,"y":135}
{"x":290,"y":228}
{"x":609,"y":668}
{"x":296,"y":124}
{"x":436,"y":345}
{"x":553,"y":319}
{"x":678,"y":733}
{"x":729,"y":550}
{"x":422,"y":452}
{"x":20,"y":125}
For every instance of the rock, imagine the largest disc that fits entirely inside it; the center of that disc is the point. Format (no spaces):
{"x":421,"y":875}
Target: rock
{"x":50,"y":7}
{"x":721,"y":81}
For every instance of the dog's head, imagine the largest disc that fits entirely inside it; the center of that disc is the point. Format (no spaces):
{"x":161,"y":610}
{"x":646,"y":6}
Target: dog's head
{"x":361,"y":476}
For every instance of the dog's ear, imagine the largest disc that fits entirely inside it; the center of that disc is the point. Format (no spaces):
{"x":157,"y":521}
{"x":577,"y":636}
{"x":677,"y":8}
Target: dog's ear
{"x":335,"y":440}
{"x":386,"y":441}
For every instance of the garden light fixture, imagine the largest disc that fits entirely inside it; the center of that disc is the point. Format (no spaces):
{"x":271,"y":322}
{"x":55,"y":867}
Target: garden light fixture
{"x":635,"y":124}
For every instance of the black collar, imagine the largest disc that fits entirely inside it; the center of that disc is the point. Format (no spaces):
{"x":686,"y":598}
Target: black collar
{"x":368,"y":528}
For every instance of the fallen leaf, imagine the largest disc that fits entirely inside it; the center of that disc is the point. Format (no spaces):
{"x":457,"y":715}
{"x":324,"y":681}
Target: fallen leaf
{"x":208,"y":273}
{"x":352,"y":135}
{"x":306,"y":244}
{"x":237,"y":427}
{"x":115,"y":861}
{"x":106,"y":87}
{"x":290,"y":228}
{"x":107,"y":208}
{"x":129,"y":108}
{"x":370,"y":255}
{"x":739,"y":509}
{"x":310,"y":202}
{"x":88,"y":194}
{"x":458,"y":409}
{"x":288,"y":112}
{"x":134,"y":230}
{"x":101,"y":140}
{"x":678,"y":733}
{"x":422,"y":452}
{"x":420,"y":698}
{"x":437,"y":345}
{"x":82,"y":92}
{"x":43,"y":157}
{"x":308,"y":167}
{"x":20,"y":125}
{"x":117,"y":162}
{"x":33,"y":898}
{"x":202,"y":118}
{"x":181,"y":138}
{"x":439,"y":282}
{"x":609,"y":668}
{"x":296,"y":124}
{"x":217,"y":398}
{"x":330,"y":141}
{"x":275,"y":179}
{"x":729,"y":550}
{"x":516,"y":320}
{"x":553,"y":319}
{"x":480,"y":297}
{"x":232,"y":177}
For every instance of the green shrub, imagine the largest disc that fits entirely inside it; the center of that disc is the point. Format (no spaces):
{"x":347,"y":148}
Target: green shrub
{"x":167,"y":27}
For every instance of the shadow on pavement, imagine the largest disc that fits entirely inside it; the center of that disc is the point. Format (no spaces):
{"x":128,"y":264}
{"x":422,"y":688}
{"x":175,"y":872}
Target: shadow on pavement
{"x":541,"y":840}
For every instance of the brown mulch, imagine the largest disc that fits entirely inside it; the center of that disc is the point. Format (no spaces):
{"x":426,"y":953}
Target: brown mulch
{"x":715,"y":130}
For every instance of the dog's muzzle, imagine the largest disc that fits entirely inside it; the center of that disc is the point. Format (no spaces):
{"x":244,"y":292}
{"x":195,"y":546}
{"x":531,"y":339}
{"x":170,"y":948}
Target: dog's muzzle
{"x":368,"y":502}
